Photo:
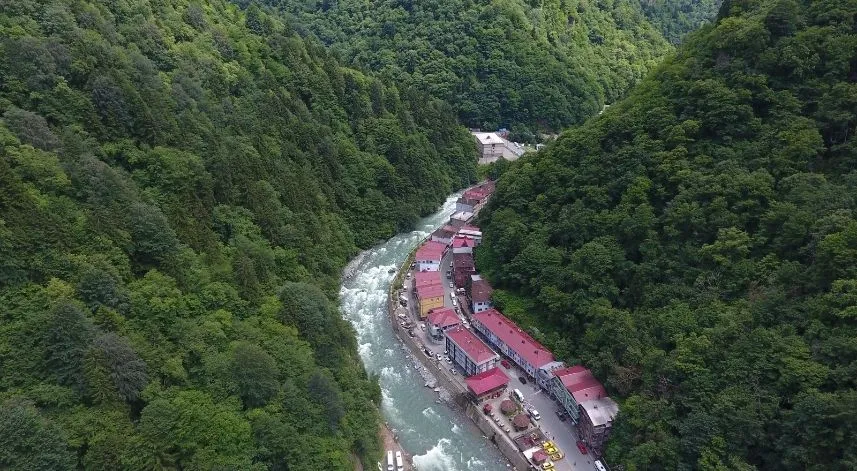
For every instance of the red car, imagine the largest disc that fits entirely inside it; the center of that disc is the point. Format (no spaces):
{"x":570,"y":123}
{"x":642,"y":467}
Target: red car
{"x":505,"y":364}
{"x":581,"y":447}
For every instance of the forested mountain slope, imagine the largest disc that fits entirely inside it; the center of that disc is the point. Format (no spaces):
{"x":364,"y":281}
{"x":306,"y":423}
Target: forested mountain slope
{"x":696,"y":246}
{"x":522,"y":64}
{"x":180,"y":184}
{"x":676,"y":18}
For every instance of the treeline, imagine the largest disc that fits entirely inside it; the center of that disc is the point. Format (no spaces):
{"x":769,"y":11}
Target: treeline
{"x":527,"y":65}
{"x":696,"y":246}
{"x":676,"y":18}
{"x":180,"y":184}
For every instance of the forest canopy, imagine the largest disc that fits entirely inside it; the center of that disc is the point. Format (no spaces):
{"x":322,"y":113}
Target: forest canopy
{"x":696,"y":246}
{"x":181,"y":183}
{"x":528,"y":65}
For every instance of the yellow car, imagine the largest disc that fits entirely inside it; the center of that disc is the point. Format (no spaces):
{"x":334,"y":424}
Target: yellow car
{"x":557,"y":456}
{"x":548,"y":466}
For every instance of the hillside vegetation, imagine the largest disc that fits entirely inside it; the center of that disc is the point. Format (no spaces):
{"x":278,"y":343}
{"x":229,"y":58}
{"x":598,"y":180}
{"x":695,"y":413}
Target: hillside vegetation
{"x":529,"y":65}
{"x":676,"y":18}
{"x":696,"y":246}
{"x":180,"y":184}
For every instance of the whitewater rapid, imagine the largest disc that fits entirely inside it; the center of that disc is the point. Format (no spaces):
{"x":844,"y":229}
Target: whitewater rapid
{"x":439,"y":438}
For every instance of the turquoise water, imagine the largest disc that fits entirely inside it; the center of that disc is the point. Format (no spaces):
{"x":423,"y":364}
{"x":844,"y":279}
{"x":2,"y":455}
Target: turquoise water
{"x":438,"y":437}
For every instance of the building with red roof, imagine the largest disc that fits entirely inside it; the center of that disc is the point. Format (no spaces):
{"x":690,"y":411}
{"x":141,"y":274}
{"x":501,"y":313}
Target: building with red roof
{"x":462,"y":244}
{"x":463,"y":266}
{"x":427,"y":278}
{"x":469,"y":352}
{"x":440,"y":320}
{"x":444,"y":234}
{"x":487,"y":384}
{"x":428,"y":298}
{"x":574,"y":385}
{"x":428,"y":256}
{"x":510,"y":339}
{"x":480,"y":294}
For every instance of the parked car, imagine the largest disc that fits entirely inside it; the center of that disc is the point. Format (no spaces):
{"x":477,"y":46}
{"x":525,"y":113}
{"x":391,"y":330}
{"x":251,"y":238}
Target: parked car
{"x":535,"y":414}
{"x":562,"y":415}
{"x":522,"y":380}
{"x":439,"y":358}
{"x":451,"y":284}
{"x":454,"y":302}
{"x":581,"y":447}
{"x":506,"y":364}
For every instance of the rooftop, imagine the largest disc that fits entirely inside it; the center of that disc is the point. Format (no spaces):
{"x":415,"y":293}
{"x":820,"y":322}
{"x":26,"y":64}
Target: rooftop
{"x":461,"y":241}
{"x":427,"y":278}
{"x":443,"y":317}
{"x":516,"y":339}
{"x":600,"y":411}
{"x":430,"y":251}
{"x":462,"y":261}
{"x":430,"y":291}
{"x":480,"y":291}
{"x":488,"y":138}
{"x":487,"y":381}
{"x":471,"y":345}
{"x":462,"y":215}
{"x":580,"y":383}
{"x":468,"y":227}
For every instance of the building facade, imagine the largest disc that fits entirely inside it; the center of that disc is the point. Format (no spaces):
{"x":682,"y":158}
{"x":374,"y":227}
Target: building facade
{"x":513,"y":342}
{"x":469,"y":352}
{"x":490,"y":146}
{"x":429,"y":255}
{"x":596,"y":422}
{"x":480,"y":294}
{"x":572,"y":385}
{"x":439,"y":321}
{"x":429,"y":297}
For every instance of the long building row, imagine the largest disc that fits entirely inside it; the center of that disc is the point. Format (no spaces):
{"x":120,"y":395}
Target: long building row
{"x":574,"y":388}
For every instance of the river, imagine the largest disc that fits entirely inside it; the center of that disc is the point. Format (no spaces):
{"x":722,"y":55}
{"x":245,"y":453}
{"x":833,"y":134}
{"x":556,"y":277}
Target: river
{"x":439,"y":438}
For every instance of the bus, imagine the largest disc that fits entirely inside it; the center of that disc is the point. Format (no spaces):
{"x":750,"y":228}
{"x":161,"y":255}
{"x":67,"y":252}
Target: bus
{"x":390,"y":465}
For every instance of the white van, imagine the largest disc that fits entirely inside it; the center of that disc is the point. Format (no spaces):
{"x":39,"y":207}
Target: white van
{"x":400,"y":463}
{"x":516,"y":395}
{"x":599,"y":466}
{"x":535,"y":414}
{"x":390,"y":464}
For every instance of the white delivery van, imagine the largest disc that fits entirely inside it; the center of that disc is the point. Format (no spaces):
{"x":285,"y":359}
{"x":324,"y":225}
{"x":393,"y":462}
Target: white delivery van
{"x":516,"y":395}
{"x":599,"y":466}
{"x":390,"y":464}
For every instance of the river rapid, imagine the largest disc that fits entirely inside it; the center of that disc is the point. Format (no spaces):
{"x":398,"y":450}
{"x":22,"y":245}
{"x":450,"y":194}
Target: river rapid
{"x":439,"y":438}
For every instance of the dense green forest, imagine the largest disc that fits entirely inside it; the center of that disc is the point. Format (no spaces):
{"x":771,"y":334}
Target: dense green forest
{"x":696,"y":246}
{"x":180,"y":184}
{"x":527,"y":65}
{"x":676,"y":18}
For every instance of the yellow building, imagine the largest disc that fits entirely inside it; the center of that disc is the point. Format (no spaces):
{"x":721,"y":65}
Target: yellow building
{"x":428,"y":298}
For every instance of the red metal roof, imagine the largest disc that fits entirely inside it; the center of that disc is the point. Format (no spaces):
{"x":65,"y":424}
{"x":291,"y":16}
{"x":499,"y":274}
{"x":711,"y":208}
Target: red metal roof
{"x":471,"y":345}
{"x":468,"y":227}
{"x":516,"y":339}
{"x":461,"y":241}
{"x":430,"y":250}
{"x":427,"y":278}
{"x":443,"y":318}
{"x":580,"y":383}
{"x":486,"y":381}
{"x":430,"y":291}
{"x":480,"y":291}
{"x":462,"y":261}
